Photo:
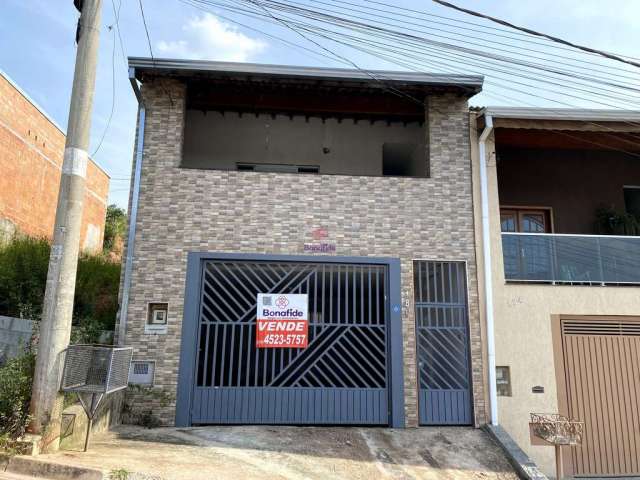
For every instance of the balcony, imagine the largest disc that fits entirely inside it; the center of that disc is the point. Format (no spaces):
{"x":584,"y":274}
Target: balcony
{"x":571,"y":259}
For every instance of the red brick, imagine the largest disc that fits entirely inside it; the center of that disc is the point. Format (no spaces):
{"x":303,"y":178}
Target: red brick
{"x":31,"y":152}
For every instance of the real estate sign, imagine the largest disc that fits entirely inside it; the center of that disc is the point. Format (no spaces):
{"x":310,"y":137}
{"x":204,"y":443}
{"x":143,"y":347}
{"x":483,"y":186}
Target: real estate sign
{"x":282,"y":320}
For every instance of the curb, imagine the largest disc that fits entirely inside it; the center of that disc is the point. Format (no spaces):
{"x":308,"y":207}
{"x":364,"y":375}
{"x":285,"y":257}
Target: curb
{"x":524,"y":466}
{"x":29,"y":466}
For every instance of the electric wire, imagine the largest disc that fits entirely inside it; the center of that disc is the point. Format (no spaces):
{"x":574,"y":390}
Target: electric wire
{"x":113,"y":92}
{"x":608,"y":55}
{"x":310,"y":29}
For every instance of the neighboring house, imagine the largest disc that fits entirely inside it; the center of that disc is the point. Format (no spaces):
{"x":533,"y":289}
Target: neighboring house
{"x":31,"y":151}
{"x":566,"y":302}
{"x":352,"y":188}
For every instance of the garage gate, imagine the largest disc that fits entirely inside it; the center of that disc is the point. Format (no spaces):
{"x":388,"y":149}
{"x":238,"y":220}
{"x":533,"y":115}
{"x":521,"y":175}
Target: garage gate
{"x":344,"y":376}
{"x":601,"y":362}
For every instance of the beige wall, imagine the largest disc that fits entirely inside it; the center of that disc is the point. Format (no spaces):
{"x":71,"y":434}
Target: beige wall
{"x":522,"y":316}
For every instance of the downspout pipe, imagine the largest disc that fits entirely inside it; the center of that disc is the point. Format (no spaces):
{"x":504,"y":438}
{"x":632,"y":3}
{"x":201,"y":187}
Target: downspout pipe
{"x":133,"y":214}
{"x":488,"y":277}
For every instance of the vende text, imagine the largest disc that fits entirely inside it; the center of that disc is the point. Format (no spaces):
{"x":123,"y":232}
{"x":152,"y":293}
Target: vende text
{"x":281,"y":333}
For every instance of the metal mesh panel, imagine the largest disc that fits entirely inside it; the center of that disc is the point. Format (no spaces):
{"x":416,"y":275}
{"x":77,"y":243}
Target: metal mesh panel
{"x":572,"y":259}
{"x":95,"y":369}
{"x":119,"y":373}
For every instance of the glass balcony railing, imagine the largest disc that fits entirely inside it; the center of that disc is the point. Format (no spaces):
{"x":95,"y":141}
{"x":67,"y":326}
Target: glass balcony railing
{"x":571,"y":259}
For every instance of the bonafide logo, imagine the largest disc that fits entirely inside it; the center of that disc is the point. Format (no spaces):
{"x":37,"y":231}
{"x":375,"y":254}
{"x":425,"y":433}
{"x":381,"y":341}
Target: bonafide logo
{"x":288,"y":313}
{"x":282,"y":302}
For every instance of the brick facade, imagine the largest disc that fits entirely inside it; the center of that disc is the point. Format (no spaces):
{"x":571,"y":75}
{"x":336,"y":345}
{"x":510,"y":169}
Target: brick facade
{"x":31,"y":152}
{"x":184,"y":210}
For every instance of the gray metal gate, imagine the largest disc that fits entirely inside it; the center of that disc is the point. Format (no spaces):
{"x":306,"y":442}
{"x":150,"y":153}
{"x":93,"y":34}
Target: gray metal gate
{"x":442,"y":342}
{"x":342,"y":377}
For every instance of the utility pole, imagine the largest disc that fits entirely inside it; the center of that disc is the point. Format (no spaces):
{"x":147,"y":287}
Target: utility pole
{"x":55,"y":326}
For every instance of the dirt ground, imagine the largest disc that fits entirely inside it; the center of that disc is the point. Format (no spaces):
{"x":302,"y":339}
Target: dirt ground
{"x":294,"y":453}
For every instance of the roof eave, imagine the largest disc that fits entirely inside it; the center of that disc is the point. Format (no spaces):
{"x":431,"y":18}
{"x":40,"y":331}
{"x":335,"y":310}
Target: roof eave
{"x":141,"y":65}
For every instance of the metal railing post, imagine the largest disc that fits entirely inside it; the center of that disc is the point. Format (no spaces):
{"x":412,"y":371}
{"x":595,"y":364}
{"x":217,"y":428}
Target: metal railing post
{"x":600,"y":265}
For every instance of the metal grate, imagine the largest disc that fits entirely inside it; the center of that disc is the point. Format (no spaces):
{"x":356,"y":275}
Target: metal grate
{"x":95,"y":369}
{"x":605,"y":327}
{"x":141,"y":372}
{"x":442,"y":342}
{"x":346,"y":354}
{"x":347,"y":341}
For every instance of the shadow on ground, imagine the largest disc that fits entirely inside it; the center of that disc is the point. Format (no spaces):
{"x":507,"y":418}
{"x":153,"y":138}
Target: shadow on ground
{"x":248,"y":452}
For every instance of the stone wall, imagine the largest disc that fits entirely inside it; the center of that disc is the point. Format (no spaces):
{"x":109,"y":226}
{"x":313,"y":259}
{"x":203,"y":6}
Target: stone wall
{"x":15,"y":334}
{"x":186,"y":210}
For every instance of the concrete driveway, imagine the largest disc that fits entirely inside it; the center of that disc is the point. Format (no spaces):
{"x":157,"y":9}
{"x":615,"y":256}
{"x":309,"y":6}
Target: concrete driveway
{"x":263,"y":452}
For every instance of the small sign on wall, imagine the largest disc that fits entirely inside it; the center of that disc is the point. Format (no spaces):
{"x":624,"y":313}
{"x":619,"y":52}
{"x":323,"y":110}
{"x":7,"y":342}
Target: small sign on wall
{"x":282,"y":320}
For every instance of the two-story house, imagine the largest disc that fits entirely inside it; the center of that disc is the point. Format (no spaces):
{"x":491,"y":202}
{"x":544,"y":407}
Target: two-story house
{"x":344,"y":194}
{"x":558,"y":214}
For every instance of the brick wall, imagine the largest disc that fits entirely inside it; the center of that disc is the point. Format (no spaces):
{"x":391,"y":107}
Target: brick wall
{"x":184,"y":210}
{"x":31,"y":152}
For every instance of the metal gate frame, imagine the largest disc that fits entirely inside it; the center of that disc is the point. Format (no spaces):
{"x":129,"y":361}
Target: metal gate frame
{"x":421,"y":406}
{"x":188,"y":343}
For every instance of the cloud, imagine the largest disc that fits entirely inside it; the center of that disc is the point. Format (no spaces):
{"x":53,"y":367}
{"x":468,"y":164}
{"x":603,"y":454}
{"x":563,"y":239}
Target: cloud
{"x":208,"y":38}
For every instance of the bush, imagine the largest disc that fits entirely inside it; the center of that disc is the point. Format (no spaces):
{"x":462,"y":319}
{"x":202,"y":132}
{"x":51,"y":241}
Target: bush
{"x":23,"y":276}
{"x":16,"y":377}
{"x":97,"y":284}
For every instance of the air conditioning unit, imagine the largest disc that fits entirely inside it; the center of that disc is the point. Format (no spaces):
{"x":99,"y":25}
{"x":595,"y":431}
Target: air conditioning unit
{"x":141,"y":372}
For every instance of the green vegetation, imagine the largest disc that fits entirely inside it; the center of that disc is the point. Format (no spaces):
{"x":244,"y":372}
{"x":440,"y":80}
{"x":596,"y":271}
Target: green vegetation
{"x":611,"y":222}
{"x":23,"y":276}
{"x":114,"y":229}
{"x":16,"y":376}
{"x":119,"y":474}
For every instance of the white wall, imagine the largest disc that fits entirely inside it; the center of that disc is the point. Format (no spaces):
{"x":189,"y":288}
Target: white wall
{"x":355,"y":148}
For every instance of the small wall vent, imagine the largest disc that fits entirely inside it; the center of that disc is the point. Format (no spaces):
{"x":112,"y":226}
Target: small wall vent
{"x":141,"y":372}
{"x":604,"y":327}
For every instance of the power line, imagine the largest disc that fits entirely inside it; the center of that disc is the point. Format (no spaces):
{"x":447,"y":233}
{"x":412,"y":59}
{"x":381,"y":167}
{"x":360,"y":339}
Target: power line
{"x":608,"y":55}
{"x":325,"y":18}
{"x":412,"y":20}
{"x":153,"y":60}
{"x":461,"y":52}
{"x":356,"y":43}
{"x":116,"y":14}
{"x":146,"y":29}
{"x":404,"y":54}
{"x":366,"y":72}
{"x":113,"y":92}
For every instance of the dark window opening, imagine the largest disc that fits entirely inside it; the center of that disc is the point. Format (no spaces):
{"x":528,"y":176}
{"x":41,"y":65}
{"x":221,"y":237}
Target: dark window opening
{"x":503,"y":381}
{"x":277,"y":168}
{"x":404,"y":160}
{"x":632,"y":200}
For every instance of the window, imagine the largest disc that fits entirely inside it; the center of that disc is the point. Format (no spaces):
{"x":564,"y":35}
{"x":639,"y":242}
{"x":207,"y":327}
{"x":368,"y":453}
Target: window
{"x":525,"y":220}
{"x":632,"y":200}
{"x":503,"y":381}
{"x":277,"y":168}
{"x":404,"y":160}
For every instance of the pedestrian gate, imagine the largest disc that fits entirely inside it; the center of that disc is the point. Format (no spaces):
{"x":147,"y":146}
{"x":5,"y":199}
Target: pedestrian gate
{"x":442,"y":342}
{"x":342,"y":377}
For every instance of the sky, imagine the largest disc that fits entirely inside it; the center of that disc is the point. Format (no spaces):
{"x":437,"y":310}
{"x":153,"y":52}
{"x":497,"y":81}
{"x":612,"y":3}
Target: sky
{"x":37,"y":51}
